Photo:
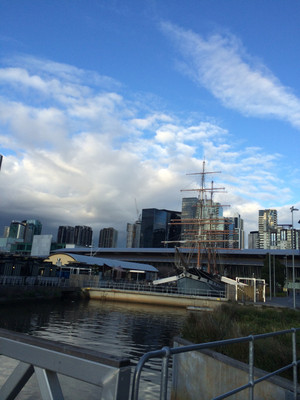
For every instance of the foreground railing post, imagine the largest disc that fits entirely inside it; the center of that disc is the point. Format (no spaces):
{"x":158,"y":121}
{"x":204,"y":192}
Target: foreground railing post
{"x":295,"y":377}
{"x":251,"y":367}
{"x":164,"y":374}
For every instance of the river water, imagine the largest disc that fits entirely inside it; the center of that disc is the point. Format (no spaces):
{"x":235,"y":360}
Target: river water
{"x":126,"y":330}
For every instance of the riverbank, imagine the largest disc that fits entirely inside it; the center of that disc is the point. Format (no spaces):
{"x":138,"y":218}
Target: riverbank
{"x":153,"y":298}
{"x":19,"y":294}
{"x":234,"y":320}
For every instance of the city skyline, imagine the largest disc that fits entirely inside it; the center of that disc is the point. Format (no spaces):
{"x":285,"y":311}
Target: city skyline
{"x":105,"y":107}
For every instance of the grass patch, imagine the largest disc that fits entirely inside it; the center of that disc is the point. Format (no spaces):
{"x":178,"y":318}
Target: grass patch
{"x":233,"y":321}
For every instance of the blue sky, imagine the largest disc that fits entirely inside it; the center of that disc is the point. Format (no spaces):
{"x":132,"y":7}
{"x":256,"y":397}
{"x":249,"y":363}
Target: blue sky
{"x":105,"y":105}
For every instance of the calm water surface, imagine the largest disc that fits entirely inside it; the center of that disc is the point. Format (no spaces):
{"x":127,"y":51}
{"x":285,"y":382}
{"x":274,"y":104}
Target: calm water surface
{"x":120,"y":329}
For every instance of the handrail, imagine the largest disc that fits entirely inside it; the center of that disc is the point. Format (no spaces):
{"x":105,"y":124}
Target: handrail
{"x":163,"y":289}
{"x":166,"y":352}
{"x":47,"y":359}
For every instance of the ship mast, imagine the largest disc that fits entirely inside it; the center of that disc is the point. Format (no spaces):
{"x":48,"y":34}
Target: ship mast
{"x":207,"y":231}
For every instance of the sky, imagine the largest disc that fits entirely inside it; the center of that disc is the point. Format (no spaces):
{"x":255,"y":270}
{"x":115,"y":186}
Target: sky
{"x":107,"y":106}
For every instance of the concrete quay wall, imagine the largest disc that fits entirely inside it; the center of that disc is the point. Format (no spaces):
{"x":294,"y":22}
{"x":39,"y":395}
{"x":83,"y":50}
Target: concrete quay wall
{"x":207,"y":374}
{"x":131,"y":296}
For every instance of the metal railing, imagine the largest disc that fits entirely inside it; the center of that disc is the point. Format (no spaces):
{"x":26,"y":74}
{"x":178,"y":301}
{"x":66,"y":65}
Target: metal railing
{"x":10,"y":280}
{"x":166,"y":353}
{"x":162,"y":289}
{"x":47,"y":359}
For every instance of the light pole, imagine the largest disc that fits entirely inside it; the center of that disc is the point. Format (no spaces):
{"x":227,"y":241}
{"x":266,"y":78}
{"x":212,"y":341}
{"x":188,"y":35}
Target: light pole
{"x":293,"y":260}
{"x":286,"y":276}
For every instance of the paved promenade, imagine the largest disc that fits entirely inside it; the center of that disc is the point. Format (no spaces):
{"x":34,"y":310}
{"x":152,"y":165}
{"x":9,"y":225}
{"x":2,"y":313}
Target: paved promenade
{"x":287,"y":301}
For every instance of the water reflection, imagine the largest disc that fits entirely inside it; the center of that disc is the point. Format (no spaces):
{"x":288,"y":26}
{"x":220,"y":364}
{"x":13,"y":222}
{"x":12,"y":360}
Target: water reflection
{"x":127,"y":330}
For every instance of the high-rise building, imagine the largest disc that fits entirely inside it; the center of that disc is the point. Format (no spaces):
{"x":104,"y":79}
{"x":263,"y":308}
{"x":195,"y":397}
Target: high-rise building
{"x":17,"y":230}
{"x":156,"y":228}
{"x":65,"y":234}
{"x":108,"y":238}
{"x":78,"y":235}
{"x":267,"y":229}
{"x":32,"y":227}
{"x":203,"y":220}
{"x":253,"y":240}
{"x":6,"y":232}
{"x":276,"y":236}
{"x":133,"y":235}
{"x":234,"y":232}
{"x":83,"y":236}
{"x":188,"y":214}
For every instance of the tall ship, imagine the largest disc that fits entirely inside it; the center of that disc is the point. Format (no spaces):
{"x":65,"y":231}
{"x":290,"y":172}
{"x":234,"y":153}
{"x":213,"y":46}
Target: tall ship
{"x":204,"y":231}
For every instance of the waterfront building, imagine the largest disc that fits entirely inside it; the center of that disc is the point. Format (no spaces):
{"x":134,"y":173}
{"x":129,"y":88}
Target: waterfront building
{"x":156,"y":228}
{"x":108,"y":238}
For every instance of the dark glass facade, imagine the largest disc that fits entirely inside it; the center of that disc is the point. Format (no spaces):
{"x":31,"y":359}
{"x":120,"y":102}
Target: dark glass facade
{"x":156,"y":228}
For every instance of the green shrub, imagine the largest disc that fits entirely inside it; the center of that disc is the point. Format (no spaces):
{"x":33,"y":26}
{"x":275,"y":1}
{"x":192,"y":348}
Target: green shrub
{"x":233,"y":321}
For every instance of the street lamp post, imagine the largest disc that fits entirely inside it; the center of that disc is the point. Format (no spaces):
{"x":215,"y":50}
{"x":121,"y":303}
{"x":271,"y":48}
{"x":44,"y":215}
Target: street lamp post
{"x":293,"y":259}
{"x":286,"y":276}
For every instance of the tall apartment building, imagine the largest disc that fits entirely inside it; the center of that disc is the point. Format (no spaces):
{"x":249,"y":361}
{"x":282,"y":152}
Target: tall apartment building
{"x":83,"y":235}
{"x":156,"y":228}
{"x":133,"y":235}
{"x":267,"y":228}
{"x":276,"y":236}
{"x":65,"y":234}
{"x":230,"y":230}
{"x":78,"y":235}
{"x":108,"y":238}
{"x":253,"y":240}
{"x":234,"y":228}
{"x":188,"y":213}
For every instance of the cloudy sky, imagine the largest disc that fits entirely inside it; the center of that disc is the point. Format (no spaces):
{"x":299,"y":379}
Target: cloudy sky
{"x":106,"y":106}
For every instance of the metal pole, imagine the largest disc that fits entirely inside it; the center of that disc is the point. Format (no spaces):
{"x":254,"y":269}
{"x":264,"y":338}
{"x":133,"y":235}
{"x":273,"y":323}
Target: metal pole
{"x":293,"y":260}
{"x":286,"y":277}
{"x":270,"y":276}
{"x":251,"y":367}
{"x":274,"y":279}
{"x":295,"y":374}
{"x":164,"y":374}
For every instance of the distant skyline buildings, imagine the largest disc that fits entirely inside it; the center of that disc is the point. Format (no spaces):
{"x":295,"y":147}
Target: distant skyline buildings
{"x":78,"y":235}
{"x":155,"y":227}
{"x":108,"y":238}
{"x":271,"y":234}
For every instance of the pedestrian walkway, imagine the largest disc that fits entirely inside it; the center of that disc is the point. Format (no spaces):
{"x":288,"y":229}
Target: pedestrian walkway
{"x":287,"y":301}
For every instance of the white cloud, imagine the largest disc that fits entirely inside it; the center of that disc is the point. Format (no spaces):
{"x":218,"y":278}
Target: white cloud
{"x":221,"y":65}
{"x":84,"y":156}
